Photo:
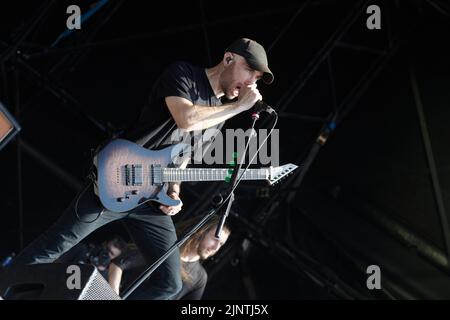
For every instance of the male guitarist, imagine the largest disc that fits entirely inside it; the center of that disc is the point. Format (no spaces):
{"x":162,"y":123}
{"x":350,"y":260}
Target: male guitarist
{"x":185,"y":97}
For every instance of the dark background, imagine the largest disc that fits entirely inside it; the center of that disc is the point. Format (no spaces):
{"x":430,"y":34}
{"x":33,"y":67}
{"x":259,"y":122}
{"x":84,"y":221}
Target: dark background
{"x":366,"y":199}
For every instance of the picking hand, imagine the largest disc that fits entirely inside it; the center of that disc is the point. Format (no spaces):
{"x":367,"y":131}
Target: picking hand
{"x":172,"y":210}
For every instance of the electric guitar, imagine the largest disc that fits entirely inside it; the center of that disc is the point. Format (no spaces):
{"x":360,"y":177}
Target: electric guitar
{"x":129,"y":175}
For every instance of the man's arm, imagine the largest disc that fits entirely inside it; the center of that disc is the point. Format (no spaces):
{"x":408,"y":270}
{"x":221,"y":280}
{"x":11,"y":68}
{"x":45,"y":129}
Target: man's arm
{"x":130,"y":260}
{"x":174,"y":192}
{"x":189,"y":116}
{"x":174,"y":187}
{"x":114,"y":276}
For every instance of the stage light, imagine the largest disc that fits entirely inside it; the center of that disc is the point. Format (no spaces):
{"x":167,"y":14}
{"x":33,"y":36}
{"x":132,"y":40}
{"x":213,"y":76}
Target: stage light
{"x":8,"y":126}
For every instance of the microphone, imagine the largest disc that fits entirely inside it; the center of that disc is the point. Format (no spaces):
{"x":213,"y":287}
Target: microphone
{"x":261,"y":106}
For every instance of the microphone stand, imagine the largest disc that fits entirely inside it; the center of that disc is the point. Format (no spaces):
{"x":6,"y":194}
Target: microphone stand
{"x":233,"y":181}
{"x":136,"y":283}
{"x":216,"y":206}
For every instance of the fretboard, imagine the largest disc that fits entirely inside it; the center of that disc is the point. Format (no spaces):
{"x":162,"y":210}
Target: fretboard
{"x":210,"y":174}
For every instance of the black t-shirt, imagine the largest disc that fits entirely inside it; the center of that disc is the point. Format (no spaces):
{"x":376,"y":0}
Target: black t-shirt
{"x":131,"y":259}
{"x":194,"y":288}
{"x":133,"y":264}
{"x":156,"y":124}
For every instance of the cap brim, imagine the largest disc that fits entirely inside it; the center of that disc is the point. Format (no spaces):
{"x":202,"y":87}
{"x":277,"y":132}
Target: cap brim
{"x":267,"y":74}
{"x":268,"y":77}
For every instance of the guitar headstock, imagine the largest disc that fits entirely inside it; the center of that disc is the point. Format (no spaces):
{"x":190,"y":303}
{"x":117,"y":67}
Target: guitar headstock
{"x":278,"y":173}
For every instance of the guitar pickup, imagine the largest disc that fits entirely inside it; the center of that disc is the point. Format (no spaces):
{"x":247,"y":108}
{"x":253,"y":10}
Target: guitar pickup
{"x":133,"y":175}
{"x":156,"y":174}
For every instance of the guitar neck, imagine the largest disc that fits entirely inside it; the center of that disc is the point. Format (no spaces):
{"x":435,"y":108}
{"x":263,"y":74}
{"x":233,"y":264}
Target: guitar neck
{"x":211,"y":174}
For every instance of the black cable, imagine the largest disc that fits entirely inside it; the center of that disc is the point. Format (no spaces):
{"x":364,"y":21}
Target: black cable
{"x":76,"y":205}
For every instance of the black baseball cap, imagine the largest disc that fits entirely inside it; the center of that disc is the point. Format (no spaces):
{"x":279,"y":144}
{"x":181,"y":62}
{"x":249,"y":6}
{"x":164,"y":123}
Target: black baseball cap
{"x":254,"y":54}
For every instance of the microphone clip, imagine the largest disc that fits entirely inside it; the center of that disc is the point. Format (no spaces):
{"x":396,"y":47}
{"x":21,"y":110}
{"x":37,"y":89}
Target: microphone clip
{"x":261,"y":106}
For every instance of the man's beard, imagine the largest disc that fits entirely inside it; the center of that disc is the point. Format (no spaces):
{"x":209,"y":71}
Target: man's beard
{"x":228,"y":90}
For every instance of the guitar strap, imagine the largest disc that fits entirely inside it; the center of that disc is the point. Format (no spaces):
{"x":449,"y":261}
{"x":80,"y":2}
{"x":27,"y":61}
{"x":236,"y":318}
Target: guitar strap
{"x":167,"y":127}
